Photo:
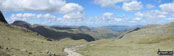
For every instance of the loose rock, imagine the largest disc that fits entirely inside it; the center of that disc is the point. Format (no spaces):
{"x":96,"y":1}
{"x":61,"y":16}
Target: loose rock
{"x":6,"y":48}
{"x":64,"y":54}
{"x":46,"y":51}
{"x":52,"y":54}
{"x":30,"y":53}
{"x":24,"y":50}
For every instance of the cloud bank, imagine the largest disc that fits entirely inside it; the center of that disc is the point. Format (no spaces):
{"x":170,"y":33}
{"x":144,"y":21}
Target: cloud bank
{"x":70,"y":10}
{"x":73,"y":13}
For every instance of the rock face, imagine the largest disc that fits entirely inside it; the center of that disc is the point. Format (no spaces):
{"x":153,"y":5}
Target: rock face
{"x":52,"y":33}
{"x":2,"y":19}
{"x":24,"y":50}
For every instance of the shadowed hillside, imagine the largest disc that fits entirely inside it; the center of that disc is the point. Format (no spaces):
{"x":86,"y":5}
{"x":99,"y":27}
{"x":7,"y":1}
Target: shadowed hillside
{"x":52,"y":33}
{"x":74,"y":32}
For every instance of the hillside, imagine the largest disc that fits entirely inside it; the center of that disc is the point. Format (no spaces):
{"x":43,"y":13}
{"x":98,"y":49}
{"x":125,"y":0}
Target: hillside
{"x":121,"y":28}
{"x":73,"y":32}
{"x":97,"y":33}
{"x":53,"y":33}
{"x":143,"y":42}
{"x":155,"y":34}
{"x":17,"y":41}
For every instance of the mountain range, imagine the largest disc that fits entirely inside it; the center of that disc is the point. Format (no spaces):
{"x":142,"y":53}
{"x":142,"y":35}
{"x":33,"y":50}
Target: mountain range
{"x":53,"y":33}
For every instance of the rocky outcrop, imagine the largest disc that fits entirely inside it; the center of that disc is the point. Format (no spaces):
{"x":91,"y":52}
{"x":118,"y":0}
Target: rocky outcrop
{"x":2,"y":19}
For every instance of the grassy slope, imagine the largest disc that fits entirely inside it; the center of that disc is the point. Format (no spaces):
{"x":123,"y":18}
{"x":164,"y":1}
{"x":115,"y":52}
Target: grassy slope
{"x":144,"y":42}
{"x":132,"y":44}
{"x":17,"y":39}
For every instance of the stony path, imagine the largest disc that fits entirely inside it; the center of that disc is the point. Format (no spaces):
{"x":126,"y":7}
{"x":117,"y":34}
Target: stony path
{"x":72,"y":50}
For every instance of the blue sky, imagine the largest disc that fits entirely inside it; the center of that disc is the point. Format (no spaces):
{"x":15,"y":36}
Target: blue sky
{"x":90,"y":13}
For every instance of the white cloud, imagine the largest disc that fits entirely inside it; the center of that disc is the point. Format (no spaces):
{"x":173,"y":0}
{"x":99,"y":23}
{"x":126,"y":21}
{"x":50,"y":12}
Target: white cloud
{"x":168,"y":7}
{"x":109,"y":3}
{"x":108,"y":15}
{"x":137,"y":19}
{"x":71,"y":7}
{"x":133,"y":5}
{"x":32,"y":5}
{"x":74,"y":16}
{"x":159,"y":1}
{"x":170,"y":19}
{"x":152,"y":15}
{"x":70,"y":10}
{"x":150,"y":6}
{"x":106,"y":18}
{"x":26,"y":16}
{"x":47,"y":17}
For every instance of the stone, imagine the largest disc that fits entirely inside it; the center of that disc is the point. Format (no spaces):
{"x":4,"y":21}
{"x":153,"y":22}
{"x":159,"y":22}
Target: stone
{"x":6,"y":48}
{"x":30,"y":53}
{"x":13,"y":55}
{"x":24,"y":50}
{"x":64,"y":54}
{"x":45,"y":51}
{"x":49,"y":40}
{"x":52,"y":54}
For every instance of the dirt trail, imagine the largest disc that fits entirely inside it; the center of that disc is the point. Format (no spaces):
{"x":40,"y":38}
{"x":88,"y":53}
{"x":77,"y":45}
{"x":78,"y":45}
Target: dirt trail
{"x":72,"y":50}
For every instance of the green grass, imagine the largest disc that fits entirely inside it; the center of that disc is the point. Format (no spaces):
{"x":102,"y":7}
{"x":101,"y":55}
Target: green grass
{"x":144,"y":42}
{"x":16,"y":39}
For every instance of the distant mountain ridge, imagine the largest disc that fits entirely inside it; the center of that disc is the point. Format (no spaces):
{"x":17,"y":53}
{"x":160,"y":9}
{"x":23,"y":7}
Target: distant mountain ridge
{"x":70,"y":31}
{"x":52,"y":33}
{"x":97,"y":33}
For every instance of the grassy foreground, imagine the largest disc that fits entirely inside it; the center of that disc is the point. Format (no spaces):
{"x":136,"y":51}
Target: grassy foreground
{"x":144,"y":42}
{"x":21,"y":42}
